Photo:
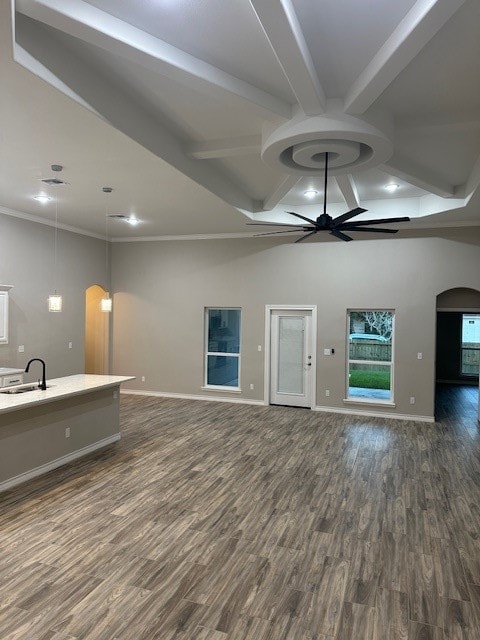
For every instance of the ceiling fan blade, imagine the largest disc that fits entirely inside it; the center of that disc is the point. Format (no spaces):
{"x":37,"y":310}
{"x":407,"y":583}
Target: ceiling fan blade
{"x":306,"y":236}
{"x":371,"y":230}
{"x":340,"y":235}
{"x":350,"y":214}
{"x":297,"y":215}
{"x":272,"y":224}
{"x":379,"y":221}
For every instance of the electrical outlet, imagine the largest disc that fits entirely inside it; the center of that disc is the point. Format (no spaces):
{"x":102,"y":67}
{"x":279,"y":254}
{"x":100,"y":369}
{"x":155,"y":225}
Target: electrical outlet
{"x":252,"y":386}
{"x":419,"y":356}
{"x":412,"y":399}
{"x":327,"y":393}
{"x":259,"y":348}
{"x":143,"y":378}
{"x":67,"y":432}
{"x":70,"y":345}
{"x":21,"y":348}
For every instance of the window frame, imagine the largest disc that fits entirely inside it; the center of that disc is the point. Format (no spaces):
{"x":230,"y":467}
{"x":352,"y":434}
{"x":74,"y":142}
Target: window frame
{"x":466,"y":376}
{"x":207,"y":353}
{"x":381,"y":401}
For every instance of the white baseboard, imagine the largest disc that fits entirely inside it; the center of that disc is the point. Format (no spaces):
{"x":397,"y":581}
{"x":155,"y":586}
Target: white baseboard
{"x":58,"y":462}
{"x":187,"y":396}
{"x":375,"y":414}
{"x":354,"y":412}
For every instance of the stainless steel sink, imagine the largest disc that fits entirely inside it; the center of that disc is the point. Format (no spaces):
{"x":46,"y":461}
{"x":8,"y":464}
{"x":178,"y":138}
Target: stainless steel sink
{"x":15,"y":390}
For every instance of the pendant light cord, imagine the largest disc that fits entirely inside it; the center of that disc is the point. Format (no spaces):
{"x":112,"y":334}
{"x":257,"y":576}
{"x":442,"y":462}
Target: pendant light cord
{"x":55,"y":244}
{"x":325,"y":185}
{"x":107,"y":191}
{"x":106,"y":245}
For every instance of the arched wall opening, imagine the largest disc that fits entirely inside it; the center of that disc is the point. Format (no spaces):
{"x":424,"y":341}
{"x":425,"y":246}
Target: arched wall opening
{"x":97,"y":325}
{"x":457,"y":360}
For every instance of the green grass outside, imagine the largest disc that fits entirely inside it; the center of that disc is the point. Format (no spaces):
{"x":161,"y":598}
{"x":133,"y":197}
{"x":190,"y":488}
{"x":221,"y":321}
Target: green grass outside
{"x":370,"y":379}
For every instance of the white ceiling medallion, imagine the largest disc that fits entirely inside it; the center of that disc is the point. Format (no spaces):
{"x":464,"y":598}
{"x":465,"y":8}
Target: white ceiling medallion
{"x":299,"y":146}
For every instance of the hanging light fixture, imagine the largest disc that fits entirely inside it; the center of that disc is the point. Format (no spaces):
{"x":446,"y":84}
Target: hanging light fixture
{"x":55,"y":300}
{"x":106,"y":301}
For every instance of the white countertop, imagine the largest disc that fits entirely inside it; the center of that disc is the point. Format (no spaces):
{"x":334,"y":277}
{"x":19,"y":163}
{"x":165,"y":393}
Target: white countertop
{"x":59,"y":388}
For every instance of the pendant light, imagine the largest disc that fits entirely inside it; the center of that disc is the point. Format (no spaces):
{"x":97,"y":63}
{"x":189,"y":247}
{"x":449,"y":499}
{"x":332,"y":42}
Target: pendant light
{"x":106,"y":301}
{"x":55,"y":300}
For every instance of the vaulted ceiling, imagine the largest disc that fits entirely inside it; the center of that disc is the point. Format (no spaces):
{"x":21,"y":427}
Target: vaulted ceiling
{"x":205,"y":115}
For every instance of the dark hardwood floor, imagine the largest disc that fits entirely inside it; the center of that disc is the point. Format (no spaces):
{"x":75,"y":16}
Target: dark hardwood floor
{"x":456,"y":402}
{"x":214,"y":521}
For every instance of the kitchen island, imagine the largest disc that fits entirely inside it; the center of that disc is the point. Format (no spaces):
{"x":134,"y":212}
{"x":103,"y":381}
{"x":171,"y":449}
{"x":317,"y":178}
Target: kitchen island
{"x":42,"y":430}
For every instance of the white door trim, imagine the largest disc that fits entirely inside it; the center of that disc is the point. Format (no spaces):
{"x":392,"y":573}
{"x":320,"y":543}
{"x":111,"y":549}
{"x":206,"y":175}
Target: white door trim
{"x":268,"y":316}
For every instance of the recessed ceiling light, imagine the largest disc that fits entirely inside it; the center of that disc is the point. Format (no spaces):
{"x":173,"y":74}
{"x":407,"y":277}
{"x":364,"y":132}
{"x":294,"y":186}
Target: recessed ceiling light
{"x":133,"y":221}
{"x":391,"y":187}
{"x":310,"y":193}
{"x":41,"y":198}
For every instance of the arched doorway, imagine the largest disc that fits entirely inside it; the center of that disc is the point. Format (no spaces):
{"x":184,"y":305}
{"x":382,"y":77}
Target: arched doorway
{"x":457,"y":352}
{"x":96,"y":332}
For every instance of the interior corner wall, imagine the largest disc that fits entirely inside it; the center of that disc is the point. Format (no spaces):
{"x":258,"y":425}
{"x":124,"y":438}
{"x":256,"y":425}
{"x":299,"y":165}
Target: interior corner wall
{"x":27,"y":262}
{"x":161,"y":289}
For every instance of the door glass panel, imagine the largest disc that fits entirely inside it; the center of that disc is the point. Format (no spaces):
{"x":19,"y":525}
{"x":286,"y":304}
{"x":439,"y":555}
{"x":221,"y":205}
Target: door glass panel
{"x":291,"y":356}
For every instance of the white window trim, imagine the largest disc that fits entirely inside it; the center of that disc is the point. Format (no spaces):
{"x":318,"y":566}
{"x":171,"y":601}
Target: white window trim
{"x":390,"y":401}
{"x":206,"y":353}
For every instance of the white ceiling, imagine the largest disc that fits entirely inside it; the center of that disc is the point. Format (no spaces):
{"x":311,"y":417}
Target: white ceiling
{"x":183,"y":107}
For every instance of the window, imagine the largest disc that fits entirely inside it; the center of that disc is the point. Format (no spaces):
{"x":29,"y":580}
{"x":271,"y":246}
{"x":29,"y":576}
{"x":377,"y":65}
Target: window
{"x":470,"y":344}
{"x":222,"y":348}
{"x":370,"y":361}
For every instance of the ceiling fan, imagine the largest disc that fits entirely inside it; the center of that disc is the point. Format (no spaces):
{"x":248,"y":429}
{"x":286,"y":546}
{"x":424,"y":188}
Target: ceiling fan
{"x":325,"y":222}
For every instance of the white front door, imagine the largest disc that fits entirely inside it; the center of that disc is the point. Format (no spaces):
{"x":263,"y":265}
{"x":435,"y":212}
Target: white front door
{"x":291,"y":357}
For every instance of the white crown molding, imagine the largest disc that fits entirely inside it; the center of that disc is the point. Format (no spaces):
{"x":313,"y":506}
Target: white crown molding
{"x":199,"y":236}
{"x":49,"y":223}
{"x":233,"y":236}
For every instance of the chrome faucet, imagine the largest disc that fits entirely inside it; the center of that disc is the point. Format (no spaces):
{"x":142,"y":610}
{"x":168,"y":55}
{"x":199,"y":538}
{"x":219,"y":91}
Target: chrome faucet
{"x":43,"y":384}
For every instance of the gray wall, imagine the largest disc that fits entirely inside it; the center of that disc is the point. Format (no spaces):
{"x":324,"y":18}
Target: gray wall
{"x":33,"y":437}
{"x":161,"y":289}
{"x":27,"y":262}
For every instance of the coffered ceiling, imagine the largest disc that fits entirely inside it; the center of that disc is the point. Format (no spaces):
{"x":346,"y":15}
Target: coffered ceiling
{"x":203,"y":115}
